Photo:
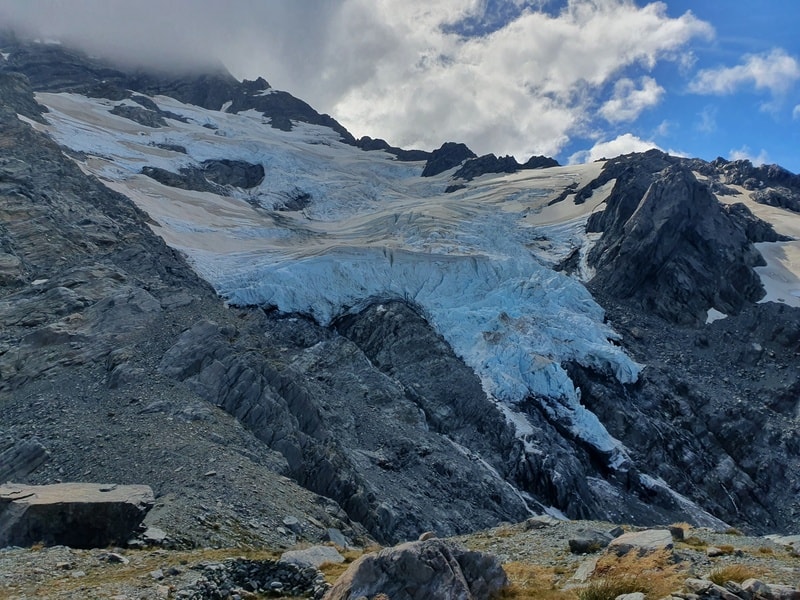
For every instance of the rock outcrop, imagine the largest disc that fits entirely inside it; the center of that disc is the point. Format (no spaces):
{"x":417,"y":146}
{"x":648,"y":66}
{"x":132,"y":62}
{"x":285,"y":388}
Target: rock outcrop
{"x":449,"y":155}
{"x":673,"y":248}
{"x":210,"y":176}
{"x":489,"y":163}
{"x":368,"y":143}
{"x":54,"y":68}
{"x":19,"y":458}
{"x":80,"y":515}
{"x":429,"y":570}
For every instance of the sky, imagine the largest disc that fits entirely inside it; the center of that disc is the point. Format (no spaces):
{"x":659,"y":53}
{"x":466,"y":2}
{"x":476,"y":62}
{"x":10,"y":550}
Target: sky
{"x":574,"y":79}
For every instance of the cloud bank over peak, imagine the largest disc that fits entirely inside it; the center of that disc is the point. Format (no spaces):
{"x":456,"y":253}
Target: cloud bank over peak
{"x":517,"y":77}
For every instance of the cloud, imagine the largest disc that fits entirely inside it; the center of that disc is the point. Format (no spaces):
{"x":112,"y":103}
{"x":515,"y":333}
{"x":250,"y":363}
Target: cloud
{"x":707,"y":120}
{"x":396,"y":68}
{"x":523,"y":89}
{"x":623,"y":144}
{"x":775,"y":72}
{"x":628,"y":101}
{"x":744,"y":153}
{"x":796,"y":112}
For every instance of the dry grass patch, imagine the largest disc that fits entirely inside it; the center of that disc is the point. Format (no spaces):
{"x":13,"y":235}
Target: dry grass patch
{"x":655,"y":574}
{"x":333,"y":571}
{"x":737,"y":573}
{"x":534,"y":582}
{"x":609,"y":588}
{"x":113,"y":577}
{"x":695,"y":543}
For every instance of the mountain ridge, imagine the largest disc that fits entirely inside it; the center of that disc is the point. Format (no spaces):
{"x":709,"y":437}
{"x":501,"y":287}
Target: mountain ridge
{"x":300,"y":382}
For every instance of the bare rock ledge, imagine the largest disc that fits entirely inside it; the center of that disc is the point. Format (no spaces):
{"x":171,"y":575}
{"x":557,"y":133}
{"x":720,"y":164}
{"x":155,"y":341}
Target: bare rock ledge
{"x":80,"y":515}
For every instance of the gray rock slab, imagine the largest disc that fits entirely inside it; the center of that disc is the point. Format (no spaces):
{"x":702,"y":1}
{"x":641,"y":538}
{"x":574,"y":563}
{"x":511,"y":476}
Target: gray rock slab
{"x":80,"y":515}
{"x":631,"y":596}
{"x":585,"y":570}
{"x":588,"y":540}
{"x":645,"y":541}
{"x":312,"y":557}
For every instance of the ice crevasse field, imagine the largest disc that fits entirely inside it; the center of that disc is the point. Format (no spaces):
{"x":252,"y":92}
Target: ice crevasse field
{"x":477,"y":263}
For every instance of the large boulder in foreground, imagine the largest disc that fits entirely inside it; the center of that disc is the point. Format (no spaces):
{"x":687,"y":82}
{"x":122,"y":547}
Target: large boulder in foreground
{"x":429,"y":570}
{"x":80,"y":515}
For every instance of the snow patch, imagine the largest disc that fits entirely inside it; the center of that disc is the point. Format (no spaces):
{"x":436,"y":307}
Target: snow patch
{"x":714,"y":315}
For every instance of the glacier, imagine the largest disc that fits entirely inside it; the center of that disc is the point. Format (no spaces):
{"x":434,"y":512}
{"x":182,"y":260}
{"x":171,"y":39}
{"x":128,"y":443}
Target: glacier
{"x":477,"y":263}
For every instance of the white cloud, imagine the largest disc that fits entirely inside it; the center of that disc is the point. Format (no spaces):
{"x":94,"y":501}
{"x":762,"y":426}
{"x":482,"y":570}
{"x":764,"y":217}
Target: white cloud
{"x":663,"y":128}
{"x":796,"y":112}
{"x":389,"y":68}
{"x":523,"y":89}
{"x":744,"y":153}
{"x":775,"y":72}
{"x":628,"y":101}
{"x":623,"y":144}
{"x":707,"y":120}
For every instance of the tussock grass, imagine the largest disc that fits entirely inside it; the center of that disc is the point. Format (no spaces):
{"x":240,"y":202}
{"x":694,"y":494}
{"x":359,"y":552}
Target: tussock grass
{"x":696,"y":543}
{"x":333,"y":571}
{"x":655,"y":574}
{"x":534,"y":582}
{"x":609,"y":588}
{"x":736,"y":573}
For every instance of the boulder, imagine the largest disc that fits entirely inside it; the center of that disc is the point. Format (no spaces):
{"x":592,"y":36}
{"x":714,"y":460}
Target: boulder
{"x":589,"y":540}
{"x":432,"y":570}
{"x":80,"y":515}
{"x":312,"y":557}
{"x":649,"y":540}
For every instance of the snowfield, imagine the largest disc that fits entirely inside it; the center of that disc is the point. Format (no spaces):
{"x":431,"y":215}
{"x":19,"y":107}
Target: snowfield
{"x":476,"y":262}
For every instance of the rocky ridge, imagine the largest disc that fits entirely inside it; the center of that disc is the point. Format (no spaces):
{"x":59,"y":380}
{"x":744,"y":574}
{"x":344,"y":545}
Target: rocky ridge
{"x":124,"y":366}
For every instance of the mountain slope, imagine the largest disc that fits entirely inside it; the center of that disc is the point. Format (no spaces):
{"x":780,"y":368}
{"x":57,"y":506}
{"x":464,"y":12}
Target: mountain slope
{"x":406,"y":351}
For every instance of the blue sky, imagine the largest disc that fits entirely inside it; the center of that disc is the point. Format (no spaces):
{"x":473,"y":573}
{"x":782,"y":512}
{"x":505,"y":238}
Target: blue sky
{"x":574,"y":79}
{"x":746,"y":120}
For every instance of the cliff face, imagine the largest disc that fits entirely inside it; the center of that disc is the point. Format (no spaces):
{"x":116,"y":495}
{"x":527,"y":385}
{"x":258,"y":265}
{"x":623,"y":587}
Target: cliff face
{"x":376,"y":409}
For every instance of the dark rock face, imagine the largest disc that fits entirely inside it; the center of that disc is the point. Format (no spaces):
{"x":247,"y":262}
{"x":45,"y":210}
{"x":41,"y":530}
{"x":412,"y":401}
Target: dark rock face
{"x":742,"y":172}
{"x":236,"y":173}
{"x":714,"y":413}
{"x":80,"y":515}
{"x":90,"y":300}
{"x":781,"y":197}
{"x":18,"y":458}
{"x":449,"y":155}
{"x":755,"y":229}
{"x":53,"y":68}
{"x":429,"y":570}
{"x":673,"y":248}
{"x":540,"y":162}
{"x":368,"y":143}
{"x":15,"y":95}
{"x":186,"y":179}
{"x":143,"y":116}
{"x":394,"y":470}
{"x":211,"y":176}
{"x":489,"y":163}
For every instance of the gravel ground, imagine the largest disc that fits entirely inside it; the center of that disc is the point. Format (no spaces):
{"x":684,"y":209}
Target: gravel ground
{"x":65,"y":573}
